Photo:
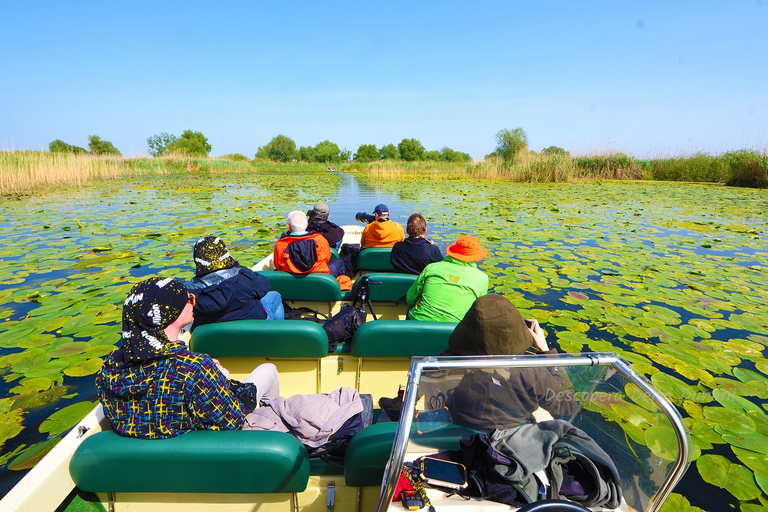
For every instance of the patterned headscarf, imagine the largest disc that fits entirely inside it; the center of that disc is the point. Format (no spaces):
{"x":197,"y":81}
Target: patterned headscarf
{"x":211,"y":255}
{"x":152,"y":306}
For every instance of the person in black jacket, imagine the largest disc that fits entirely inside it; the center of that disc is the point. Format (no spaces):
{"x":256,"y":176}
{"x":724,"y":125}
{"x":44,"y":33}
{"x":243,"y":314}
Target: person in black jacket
{"x":318,"y":222}
{"x":415,"y":252}
{"x":226,"y":291}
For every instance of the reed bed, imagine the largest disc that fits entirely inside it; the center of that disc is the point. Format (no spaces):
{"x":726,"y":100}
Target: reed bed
{"x":25,"y":172}
{"x":745,"y":168}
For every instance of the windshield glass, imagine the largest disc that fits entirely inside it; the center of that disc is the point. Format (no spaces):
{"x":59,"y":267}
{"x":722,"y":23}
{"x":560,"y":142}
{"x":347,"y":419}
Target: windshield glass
{"x":513,"y":430}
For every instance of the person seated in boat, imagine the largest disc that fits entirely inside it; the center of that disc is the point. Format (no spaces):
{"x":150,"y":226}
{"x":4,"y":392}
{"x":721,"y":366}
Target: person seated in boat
{"x":153,"y":387}
{"x":417,"y":251}
{"x":300,"y":252}
{"x":445,"y":290}
{"x":381,"y":232}
{"x":318,"y":222}
{"x":226,"y":291}
{"x":487,"y":400}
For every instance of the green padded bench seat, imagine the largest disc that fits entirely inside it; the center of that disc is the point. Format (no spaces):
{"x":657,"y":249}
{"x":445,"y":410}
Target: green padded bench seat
{"x":294,"y":339}
{"x":375,"y":258}
{"x":401,"y":338}
{"x":393,"y":288}
{"x":201,"y":461}
{"x":319,"y":287}
{"x":370,"y":449}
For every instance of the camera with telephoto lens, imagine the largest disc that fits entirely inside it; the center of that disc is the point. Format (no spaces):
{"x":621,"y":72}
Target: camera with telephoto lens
{"x":364,"y":217}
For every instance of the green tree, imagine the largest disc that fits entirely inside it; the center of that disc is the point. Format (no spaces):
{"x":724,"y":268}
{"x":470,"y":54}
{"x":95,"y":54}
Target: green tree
{"x":449,"y":155}
{"x":279,"y":149}
{"x":190,"y":143}
{"x":432,"y":155}
{"x":389,"y":152}
{"x":158,"y":143}
{"x":101,"y":147}
{"x":367,"y":153}
{"x":410,"y":149}
{"x":327,"y":152}
{"x":59,"y":146}
{"x":510,"y":143}
{"x":307,"y":154}
{"x":554,"y":150}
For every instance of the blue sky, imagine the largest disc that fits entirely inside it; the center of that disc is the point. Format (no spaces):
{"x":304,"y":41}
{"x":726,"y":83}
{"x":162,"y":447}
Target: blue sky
{"x":650,"y":78}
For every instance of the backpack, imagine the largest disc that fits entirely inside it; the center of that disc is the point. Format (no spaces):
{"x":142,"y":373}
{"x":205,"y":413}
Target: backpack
{"x":342,"y":325}
{"x":303,"y":313}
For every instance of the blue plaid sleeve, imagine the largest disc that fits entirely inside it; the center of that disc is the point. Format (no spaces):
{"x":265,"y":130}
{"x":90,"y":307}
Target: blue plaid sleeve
{"x":211,"y":404}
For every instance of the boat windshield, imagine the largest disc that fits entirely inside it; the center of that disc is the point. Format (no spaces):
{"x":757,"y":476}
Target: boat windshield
{"x":580,"y":426}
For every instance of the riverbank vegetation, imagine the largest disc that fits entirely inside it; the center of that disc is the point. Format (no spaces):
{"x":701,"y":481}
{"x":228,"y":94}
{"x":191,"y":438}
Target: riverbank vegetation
{"x":24,"y":172}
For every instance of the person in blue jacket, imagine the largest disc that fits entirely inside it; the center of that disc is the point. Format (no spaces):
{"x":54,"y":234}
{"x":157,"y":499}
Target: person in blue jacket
{"x":226,"y":291}
{"x":415,"y":252}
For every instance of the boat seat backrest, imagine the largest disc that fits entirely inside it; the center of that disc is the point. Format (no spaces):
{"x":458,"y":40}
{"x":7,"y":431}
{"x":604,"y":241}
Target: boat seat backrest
{"x":393,"y":287}
{"x":369,"y":450}
{"x":295,"y":339}
{"x":375,"y":258}
{"x":314,"y":287}
{"x":201,"y":461}
{"x":401,"y":338}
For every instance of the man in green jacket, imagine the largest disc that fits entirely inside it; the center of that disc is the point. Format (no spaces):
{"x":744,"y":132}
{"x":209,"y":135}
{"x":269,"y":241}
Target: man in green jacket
{"x":444,"y":291}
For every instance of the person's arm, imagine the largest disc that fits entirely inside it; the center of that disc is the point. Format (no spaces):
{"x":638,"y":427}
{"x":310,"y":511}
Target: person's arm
{"x":323,"y":249}
{"x":259,"y":283}
{"x":211,"y":404}
{"x":539,"y":339}
{"x":363,"y":236}
{"x":277,"y":257}
{"x":414,"y":292}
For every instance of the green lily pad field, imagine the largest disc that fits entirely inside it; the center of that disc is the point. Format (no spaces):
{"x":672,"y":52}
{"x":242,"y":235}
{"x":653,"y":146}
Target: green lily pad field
{"x":672,"y":276}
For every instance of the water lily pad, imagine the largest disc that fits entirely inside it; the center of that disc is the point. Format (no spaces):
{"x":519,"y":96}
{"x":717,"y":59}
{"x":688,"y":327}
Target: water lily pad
{"x":757,"y":462}
{"x":32,"y":455}
{"x":678,"y":503}
{"x":89,"y":367}
{"x":720,"y":472}
{"x":66,"y":418}
{"x":662,"y":441}
{"x":734,"y":421}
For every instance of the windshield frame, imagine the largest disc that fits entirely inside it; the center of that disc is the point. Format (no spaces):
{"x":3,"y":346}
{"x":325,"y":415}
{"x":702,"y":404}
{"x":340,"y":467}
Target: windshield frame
{"x":421,"y":364}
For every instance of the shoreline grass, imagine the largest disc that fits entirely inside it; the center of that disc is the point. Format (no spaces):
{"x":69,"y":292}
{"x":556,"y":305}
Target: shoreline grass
{"x":26,"y":172}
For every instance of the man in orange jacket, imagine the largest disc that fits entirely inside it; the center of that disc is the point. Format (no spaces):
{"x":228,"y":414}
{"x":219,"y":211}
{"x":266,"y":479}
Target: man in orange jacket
{"x":382,"y":232}
{"x":301,"y":252}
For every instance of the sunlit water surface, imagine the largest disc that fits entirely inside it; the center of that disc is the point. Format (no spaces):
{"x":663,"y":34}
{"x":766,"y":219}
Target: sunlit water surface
{"x":672,"y":276}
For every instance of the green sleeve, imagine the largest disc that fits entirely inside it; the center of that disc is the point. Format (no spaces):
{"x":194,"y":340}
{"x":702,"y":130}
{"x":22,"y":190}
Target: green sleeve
{"x":414,"y":292}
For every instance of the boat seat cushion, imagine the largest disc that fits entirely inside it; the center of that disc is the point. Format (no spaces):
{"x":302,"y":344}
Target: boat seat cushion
{"x":295,"y":339}
{"x":375,"y":258}
{"x":315,"y":287}
{"x":201,"y":461}
{"x":370,"y":449}
{"x":401,"y":338}
{"x":393,"y":287}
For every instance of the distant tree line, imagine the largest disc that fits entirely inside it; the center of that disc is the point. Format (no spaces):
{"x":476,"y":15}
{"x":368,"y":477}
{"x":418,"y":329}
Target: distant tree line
{"x":96,"y":146}
{"x":283,"y":149}
{"x":510,"y":146}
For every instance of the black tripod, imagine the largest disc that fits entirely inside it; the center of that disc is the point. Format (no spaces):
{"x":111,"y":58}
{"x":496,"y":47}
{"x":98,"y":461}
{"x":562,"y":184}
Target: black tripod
{"x":364,"y":294}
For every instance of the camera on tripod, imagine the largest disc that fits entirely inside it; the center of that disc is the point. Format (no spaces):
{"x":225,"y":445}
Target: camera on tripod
{"x":364,"y":217}
{"x":362,"y":293}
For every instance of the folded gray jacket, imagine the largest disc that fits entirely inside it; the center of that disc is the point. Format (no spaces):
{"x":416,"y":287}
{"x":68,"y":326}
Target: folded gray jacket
{"x":311,"y":418}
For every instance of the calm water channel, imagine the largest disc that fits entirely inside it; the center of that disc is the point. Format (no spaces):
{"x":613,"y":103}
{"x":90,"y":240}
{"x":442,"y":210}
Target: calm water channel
{"x":671,"y":276}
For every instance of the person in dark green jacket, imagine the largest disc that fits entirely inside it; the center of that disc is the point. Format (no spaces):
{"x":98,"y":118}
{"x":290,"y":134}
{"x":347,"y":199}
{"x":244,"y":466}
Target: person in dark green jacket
{"x":445,"y":290}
